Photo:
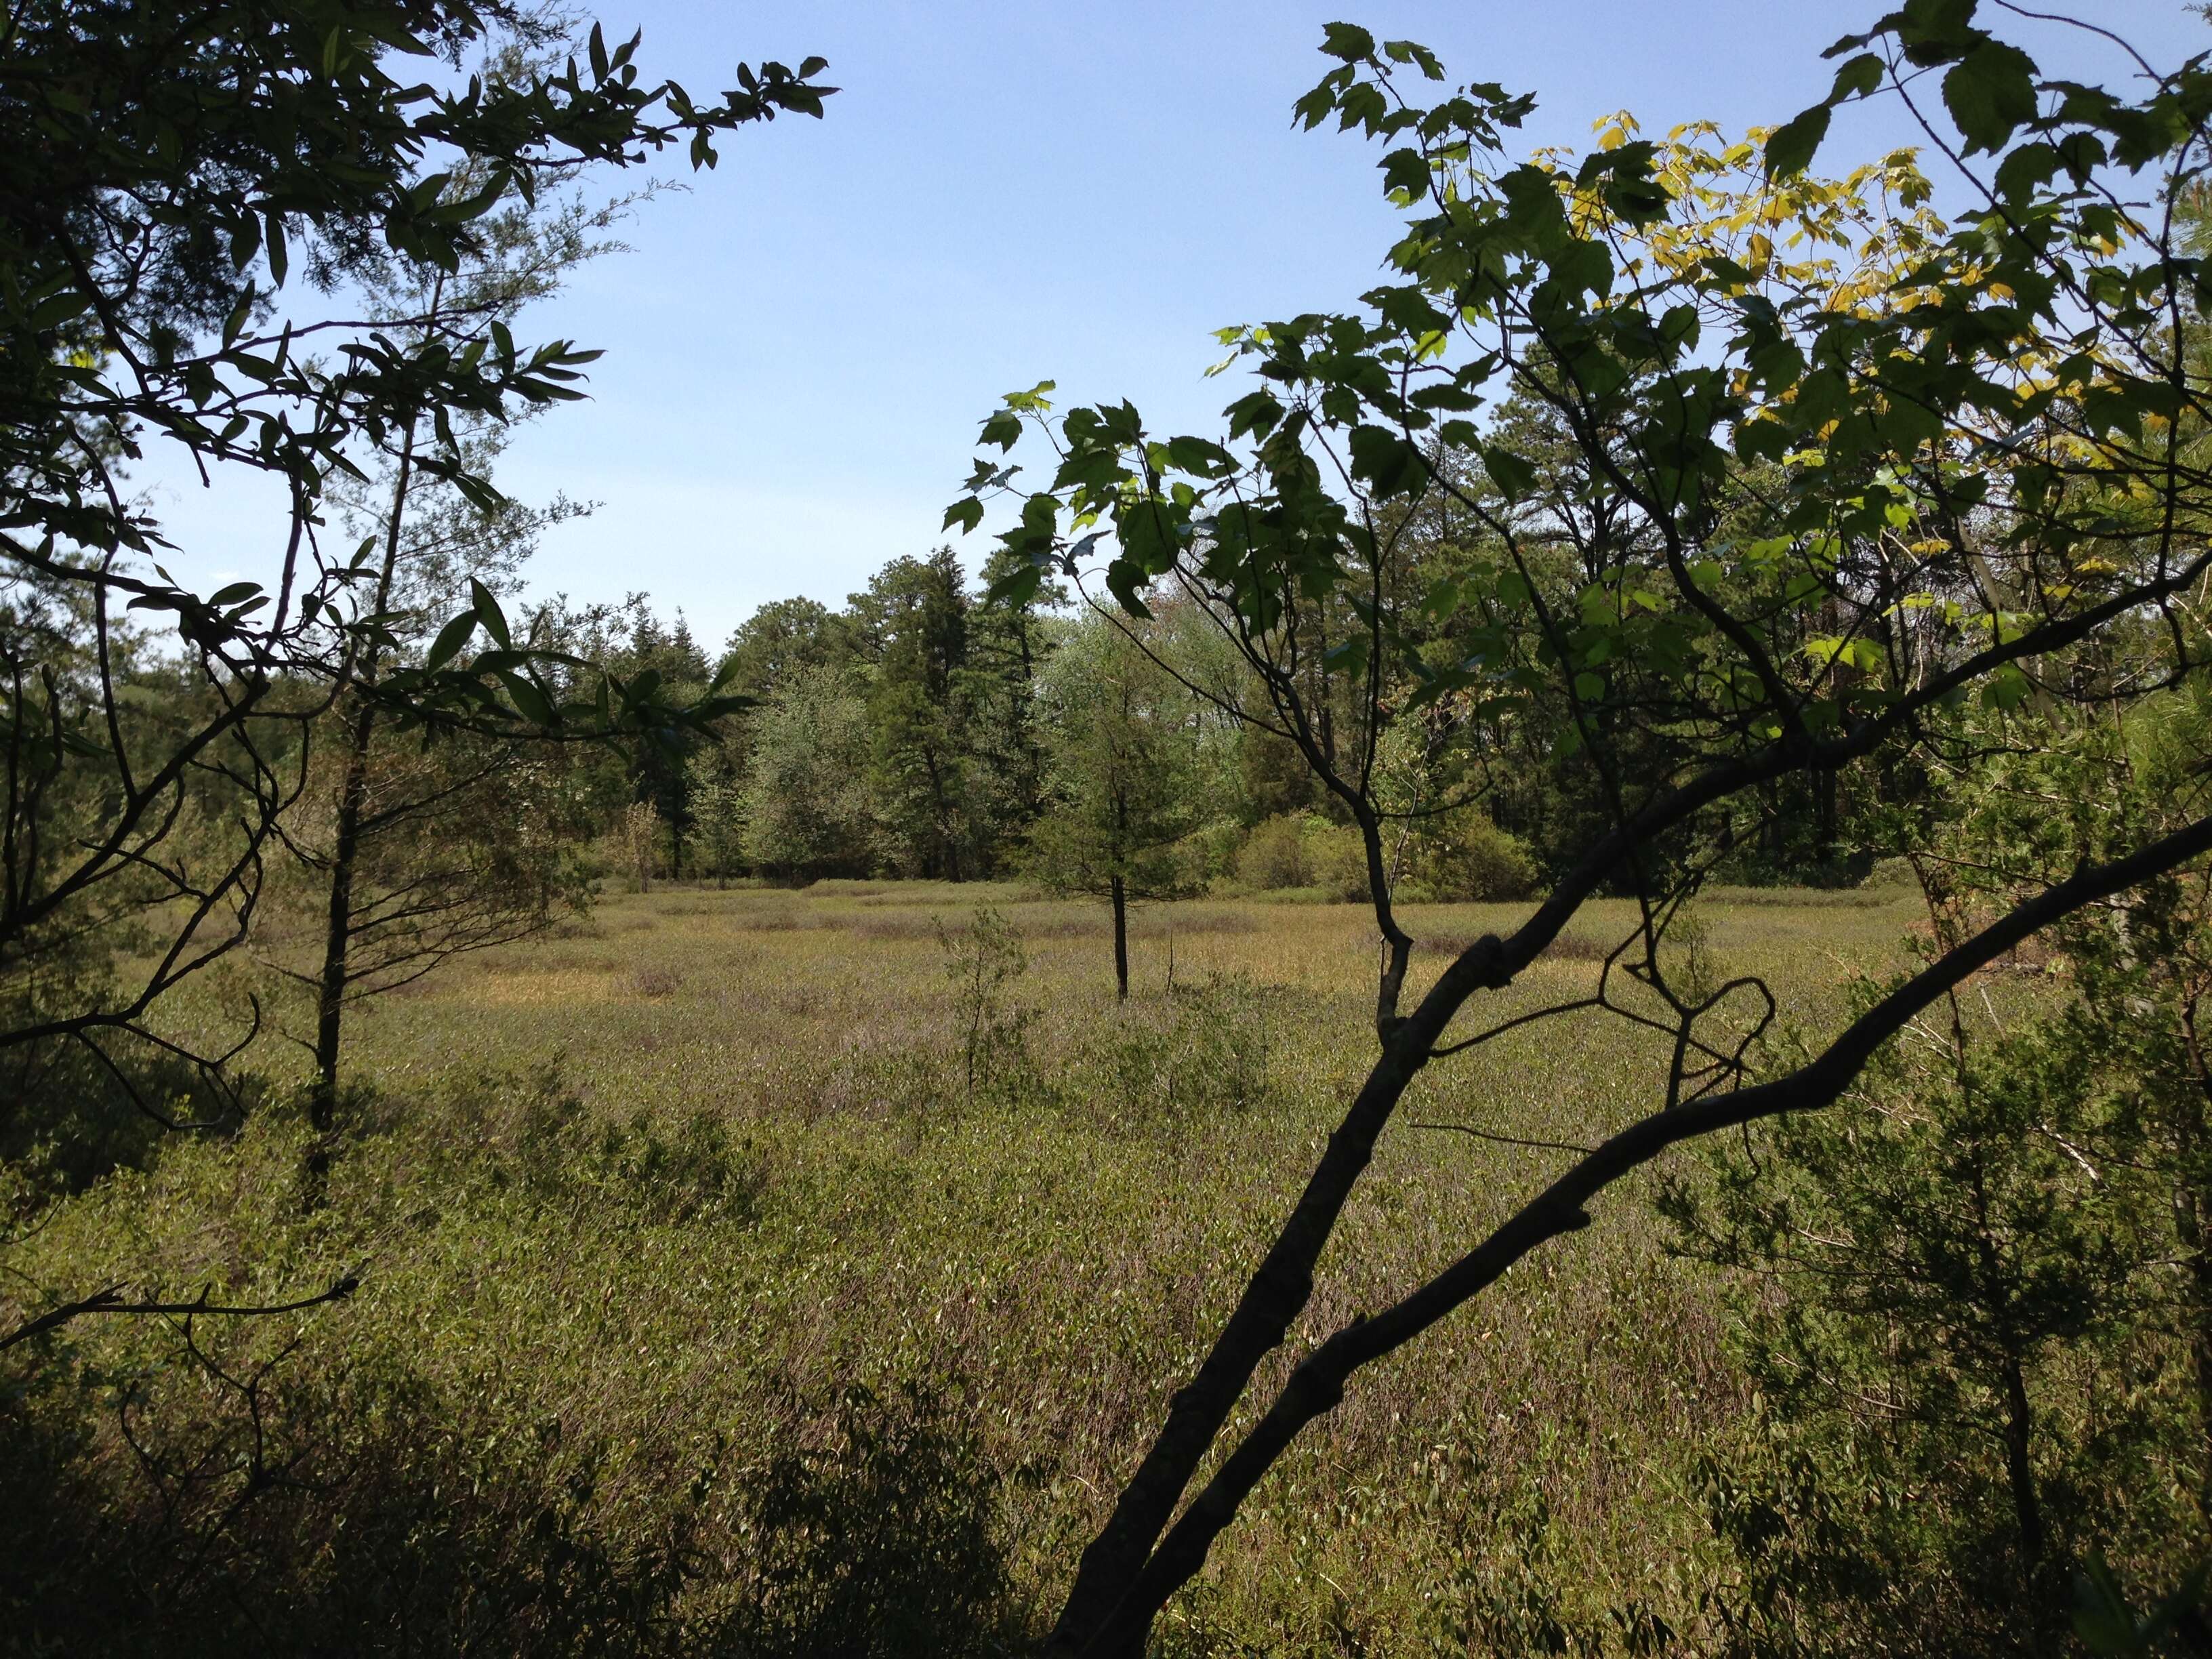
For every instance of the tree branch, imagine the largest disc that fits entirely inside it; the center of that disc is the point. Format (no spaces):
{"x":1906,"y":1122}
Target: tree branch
{"x":110,"y":1300}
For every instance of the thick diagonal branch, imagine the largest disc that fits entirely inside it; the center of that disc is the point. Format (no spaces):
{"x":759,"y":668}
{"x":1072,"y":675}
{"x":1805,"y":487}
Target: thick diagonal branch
{"x":1317,"y":1384}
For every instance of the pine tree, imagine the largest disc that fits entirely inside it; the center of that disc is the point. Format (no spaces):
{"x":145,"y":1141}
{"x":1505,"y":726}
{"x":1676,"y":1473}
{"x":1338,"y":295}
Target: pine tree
{"x":1124,"y":784}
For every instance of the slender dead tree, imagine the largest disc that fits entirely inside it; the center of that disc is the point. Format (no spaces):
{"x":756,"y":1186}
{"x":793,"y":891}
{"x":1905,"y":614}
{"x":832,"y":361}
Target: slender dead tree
{"x":442,"y":863}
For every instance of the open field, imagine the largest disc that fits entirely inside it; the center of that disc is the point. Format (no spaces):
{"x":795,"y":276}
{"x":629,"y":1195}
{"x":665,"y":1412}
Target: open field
{"x":650,"y":1191}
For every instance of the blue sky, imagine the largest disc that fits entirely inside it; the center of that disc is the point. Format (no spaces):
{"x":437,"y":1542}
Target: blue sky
{"x":800,"y":346}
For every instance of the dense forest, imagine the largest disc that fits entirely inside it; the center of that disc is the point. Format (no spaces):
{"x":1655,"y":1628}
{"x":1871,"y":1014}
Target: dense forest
{"x":1544,"y":997}
{"x":927,"y":731}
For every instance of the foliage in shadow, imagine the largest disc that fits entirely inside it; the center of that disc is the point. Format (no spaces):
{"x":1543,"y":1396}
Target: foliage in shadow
{"x":881,"y":1538}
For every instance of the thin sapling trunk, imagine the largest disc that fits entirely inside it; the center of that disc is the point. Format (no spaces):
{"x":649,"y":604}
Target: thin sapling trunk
{"x":1121,"y":940}
{"x":345,"y":848}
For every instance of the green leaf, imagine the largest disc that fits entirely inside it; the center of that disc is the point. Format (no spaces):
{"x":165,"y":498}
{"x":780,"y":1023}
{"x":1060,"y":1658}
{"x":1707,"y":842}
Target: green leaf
{"x":1414,"y":53}
{"x":1513,"y":475}
{"x":451,"y":638}
{"x":2008,"y":686}
{"x":529,"y":701}
{"x":58,"y":308}
{"x":1124,"y":580}
{"x":473,"y":207}
{"x":1990,"y":93}
{"x":1314,"y":108}
{"x":273,"y":240}
{"x":1348,"y":42}
{"x":238,"y":313}
{"x":2102,"y":1618}
{"x":1258,"y":413}
{"x":488,"y":612}
{"x":967,"y":512}
{"x":1447,"y":394}
{"x":2027,"y":169}
{"x":1861,"y":653}
{"x":1858,"y":77}
{"x":1198,"y":455}
{"x":1791,"y":147}
{"x":1406,"y":170}
{"x":1384,"y":458}
{"x":2105,"y":1616}
{"x":1004,"y":428}
{"x":1935,"y":31}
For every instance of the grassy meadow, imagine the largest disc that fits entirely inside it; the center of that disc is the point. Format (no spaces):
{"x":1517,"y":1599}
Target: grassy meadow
{"x":636,"y":1205}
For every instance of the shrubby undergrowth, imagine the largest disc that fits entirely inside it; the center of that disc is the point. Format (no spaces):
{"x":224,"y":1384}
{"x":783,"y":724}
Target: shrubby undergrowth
{"x":377,"y":1478}
{"x":453,"y":1461}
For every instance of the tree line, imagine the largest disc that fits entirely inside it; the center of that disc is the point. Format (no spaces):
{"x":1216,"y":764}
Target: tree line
{"x":938,"y":728}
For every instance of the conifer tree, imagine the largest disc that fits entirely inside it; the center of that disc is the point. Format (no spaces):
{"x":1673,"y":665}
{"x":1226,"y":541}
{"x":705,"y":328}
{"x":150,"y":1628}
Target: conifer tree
{"x":1123,"y":780}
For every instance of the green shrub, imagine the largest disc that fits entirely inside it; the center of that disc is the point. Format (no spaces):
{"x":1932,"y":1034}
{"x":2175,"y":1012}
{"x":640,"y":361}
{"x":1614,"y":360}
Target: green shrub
{"x":1304,"y":850}
{"x":1460,"y":859}
{"x":1200,"y":1050}
{"x":984,"y":962}
{"x":328,"y":1501}
{"x":879,"y":1539}
{"x":281,"y":1501}
{"x":562,"y":1155}
{"x":1466,"y":858}
{"x":1211,"y":852}
{"x":1274,"y":855}
{"x":1337,"y":858}
{"x":73,"y":1110}
{"x":393,"y":1474}
{"x":1976,"y":1368}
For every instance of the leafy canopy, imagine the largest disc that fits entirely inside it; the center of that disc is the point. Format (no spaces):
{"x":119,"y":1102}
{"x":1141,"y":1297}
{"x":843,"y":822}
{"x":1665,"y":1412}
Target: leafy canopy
{"x":188,"y":188}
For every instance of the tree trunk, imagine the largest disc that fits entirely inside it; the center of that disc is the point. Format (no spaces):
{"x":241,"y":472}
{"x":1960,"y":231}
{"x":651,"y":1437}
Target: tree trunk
{"x":2196,"y":1239}
{"x":2019,"y":1427}
{"x":948,"y":843}
{"x":1326,"y":694}
{"x":338,"y":927}
{"x":345,"y":849}
{"x":1120,"y":892}
{"x":1121,"y":940}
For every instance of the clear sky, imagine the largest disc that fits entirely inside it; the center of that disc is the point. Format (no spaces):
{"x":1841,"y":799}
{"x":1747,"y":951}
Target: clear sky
{"x":799,"y":347}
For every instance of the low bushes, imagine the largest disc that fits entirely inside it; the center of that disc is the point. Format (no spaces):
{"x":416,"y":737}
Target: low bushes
{"x":1199,"y":1051}
{"x":1458,"y":858}
{"x":1275,"y":856}
{"x":482,"y":1452}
